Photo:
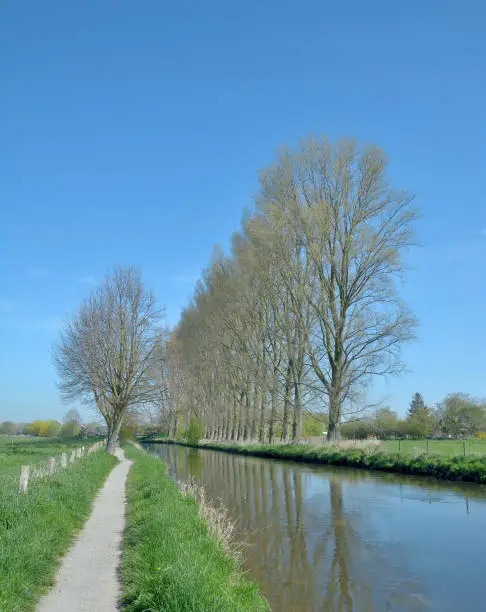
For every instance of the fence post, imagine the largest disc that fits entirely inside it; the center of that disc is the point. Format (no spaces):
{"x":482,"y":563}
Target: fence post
{"x":464,"y":445}
{"x":63,"y":460}
{"x":72,"y":458}
{"x":52,"y":465}
{"x":399,"y":445}
{"x":24,"y":479}
{"x":426,"y":447}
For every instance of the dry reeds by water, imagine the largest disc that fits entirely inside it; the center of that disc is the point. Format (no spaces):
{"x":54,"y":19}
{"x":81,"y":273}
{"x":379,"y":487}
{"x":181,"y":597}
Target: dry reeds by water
{"x":219,"y":523}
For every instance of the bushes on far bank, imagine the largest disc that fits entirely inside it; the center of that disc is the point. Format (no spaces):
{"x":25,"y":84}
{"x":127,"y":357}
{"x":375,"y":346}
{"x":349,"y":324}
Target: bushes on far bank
{"x":170,"y":561}
{"x":467,"y":469}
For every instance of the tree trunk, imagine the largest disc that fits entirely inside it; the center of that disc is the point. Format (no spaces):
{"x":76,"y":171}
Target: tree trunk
{"x":233,"y":428}
{"x":174,"y":435}
{"x":261,"y":433}
{"x":334,"y":429}
{"x":246,"y":431}
{"x":253,"y":432}
{"x":297,"y":422}
{"x":273,"y":411}
{"x":112,"y":440}
{"x":239,"y":430}
{"x":288,"y":389}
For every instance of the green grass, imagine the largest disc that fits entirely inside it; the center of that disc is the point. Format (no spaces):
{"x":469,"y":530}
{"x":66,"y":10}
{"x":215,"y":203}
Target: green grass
{"x":169,"y":562}
{"x":436,"y":447}
{"x":37,"y":527}
{"x":468,"y":469}
{"x":19,"y":450}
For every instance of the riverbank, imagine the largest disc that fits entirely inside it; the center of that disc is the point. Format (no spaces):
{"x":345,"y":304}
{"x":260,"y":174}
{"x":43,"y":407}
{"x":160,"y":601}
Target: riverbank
{"x":456,"y":468}
{"x":170,"y":561}
{"x":37,"y":527}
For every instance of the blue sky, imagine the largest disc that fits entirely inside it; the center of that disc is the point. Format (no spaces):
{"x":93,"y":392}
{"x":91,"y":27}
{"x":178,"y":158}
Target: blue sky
{"x":133,"y":132}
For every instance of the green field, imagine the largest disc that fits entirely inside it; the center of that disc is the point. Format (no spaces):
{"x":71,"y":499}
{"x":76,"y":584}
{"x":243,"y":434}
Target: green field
{"x":37,"y":527}
{"x":23,"y":450}
{"x":450,"y":448}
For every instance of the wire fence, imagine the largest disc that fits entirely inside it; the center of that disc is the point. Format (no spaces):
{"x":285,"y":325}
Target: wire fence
{"x":21,"y":479}
{"x":449,"y":447}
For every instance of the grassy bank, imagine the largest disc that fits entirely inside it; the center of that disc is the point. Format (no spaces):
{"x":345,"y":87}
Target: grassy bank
{"x":37,"y":527}
{"x":170,"y":561}
{"x":468,"y":469}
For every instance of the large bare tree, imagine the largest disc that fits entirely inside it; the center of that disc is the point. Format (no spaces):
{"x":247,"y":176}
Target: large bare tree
{"x":353,"y":228}
{"x":105,"y":353}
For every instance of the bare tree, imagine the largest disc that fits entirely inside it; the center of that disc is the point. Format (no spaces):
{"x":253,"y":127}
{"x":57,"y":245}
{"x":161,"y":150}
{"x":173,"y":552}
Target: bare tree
{"x":354,"y":229}
{"x":72,"y":416}
{"x":104,"y":355}
{"x":306,"y":308}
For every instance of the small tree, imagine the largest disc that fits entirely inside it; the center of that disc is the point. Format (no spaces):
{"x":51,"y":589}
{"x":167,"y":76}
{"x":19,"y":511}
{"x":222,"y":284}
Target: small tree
{"x":104,"y":355}
{"x":195,"y":431}
{"x":416,"y":404}
{"x":7,"y":428}
{"x":71,"y":425}
{"x":53,"y":428}
{"x":72,"y":416}
{"x":420,"y":421}
{"x":461,"y":415}
{"x":69,"y":430}
{"x":386,"y":423}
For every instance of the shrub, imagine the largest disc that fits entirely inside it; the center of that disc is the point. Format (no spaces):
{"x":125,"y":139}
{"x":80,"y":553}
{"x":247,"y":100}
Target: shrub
{"x":194,"y":432}
{"x":69,"y":430}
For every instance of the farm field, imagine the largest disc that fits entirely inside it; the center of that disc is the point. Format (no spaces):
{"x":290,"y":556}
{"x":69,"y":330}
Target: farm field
{"x":20,"y":450}
{"x":450,"y":448}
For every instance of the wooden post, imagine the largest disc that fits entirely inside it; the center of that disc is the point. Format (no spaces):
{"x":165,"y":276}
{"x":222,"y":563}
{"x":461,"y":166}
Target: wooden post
{"x":399,"y":445}
{"x":52,"y":465}
{"x":63,"y":460}
{"x":24,"y":479}
{"x":427,"y":446}
{"x":464,"y":446}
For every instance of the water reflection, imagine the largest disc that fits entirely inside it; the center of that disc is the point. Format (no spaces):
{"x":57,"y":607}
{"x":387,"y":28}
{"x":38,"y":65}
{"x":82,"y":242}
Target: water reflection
{"x":338,"y":540}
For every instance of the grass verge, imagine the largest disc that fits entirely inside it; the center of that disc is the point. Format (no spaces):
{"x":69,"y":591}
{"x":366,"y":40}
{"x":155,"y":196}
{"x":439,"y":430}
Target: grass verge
{"x":466,"y":469}
{"x":170,"y":561}
{"x":37,"y":527}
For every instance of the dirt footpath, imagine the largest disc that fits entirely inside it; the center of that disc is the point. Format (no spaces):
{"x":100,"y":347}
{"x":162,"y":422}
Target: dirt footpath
{"x":87,"y":579}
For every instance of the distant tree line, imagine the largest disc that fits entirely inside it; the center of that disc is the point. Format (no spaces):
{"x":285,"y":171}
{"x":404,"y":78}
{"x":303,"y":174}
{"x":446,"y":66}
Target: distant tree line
{"x":457,"y":416}
{"x":71,"y":427}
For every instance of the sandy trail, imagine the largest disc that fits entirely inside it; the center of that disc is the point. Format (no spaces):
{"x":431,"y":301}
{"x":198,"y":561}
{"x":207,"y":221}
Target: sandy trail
{"x":87,"y":579}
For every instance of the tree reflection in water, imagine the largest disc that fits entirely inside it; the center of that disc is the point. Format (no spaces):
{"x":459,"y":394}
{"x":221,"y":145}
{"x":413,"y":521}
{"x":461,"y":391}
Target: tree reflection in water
{"x":309,"y":536}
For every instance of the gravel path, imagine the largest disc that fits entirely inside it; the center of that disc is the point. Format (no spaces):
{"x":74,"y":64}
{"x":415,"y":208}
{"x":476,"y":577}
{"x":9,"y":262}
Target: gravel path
{"x":87,"y":579}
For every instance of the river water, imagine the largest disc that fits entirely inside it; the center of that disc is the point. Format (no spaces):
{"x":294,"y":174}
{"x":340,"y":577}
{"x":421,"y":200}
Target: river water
{"x":329,"y":539}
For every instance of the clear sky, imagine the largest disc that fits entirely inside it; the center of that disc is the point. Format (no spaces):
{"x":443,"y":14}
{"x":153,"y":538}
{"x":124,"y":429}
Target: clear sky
{"x":132,"y":132}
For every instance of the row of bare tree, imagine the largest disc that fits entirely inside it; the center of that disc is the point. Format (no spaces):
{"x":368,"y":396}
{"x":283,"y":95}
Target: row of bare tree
{"x":304,"y":310}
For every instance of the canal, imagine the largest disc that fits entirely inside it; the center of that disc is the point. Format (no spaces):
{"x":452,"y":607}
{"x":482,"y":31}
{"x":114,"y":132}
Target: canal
{"x":318,"y":538}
